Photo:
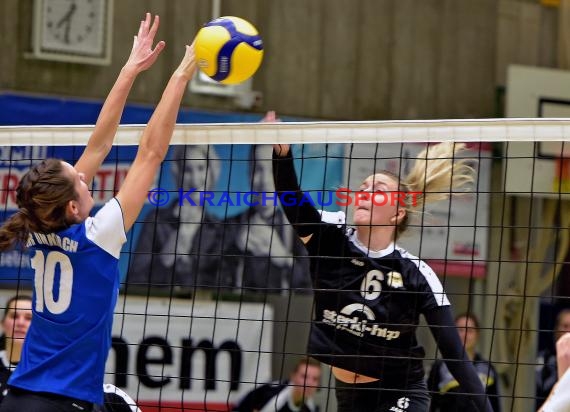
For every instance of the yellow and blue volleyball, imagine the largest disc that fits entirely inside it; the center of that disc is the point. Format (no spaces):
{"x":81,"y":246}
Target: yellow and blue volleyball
{"x":229,"y":49}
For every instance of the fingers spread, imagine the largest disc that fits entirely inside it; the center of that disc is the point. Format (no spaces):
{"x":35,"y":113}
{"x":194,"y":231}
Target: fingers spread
{"x":159,"y":46}
{"x":154,"y":27}
{"x":147,"y":22}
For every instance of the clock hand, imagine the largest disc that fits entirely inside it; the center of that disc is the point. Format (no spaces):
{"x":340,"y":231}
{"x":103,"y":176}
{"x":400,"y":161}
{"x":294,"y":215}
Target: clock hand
{"x":67,"y":16}
{"x":66,"y":20}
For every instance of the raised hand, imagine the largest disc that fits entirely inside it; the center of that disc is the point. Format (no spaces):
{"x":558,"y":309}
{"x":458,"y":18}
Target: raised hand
{"x":142,"y":54}
{"x":141,"y":58}
{"x":270,"y":117}
{"x":280,"y":149}
{"x":187,"y":66}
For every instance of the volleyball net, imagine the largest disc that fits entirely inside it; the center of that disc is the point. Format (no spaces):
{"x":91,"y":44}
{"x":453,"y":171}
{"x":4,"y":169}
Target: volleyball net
{"x":216,"y":295}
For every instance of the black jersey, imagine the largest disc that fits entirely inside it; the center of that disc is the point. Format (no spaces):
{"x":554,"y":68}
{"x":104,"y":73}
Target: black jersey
{"x":368,"y":303}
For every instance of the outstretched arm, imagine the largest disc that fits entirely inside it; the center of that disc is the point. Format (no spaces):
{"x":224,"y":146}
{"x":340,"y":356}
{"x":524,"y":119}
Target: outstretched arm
{"x":155,"y":141}
{"x":141,"y":58}
{"x":443,"y":329}
{"x":300,"y":212}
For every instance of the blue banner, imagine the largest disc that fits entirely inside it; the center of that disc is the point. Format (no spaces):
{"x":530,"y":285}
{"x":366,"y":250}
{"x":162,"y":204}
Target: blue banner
{"x":182,"y":244}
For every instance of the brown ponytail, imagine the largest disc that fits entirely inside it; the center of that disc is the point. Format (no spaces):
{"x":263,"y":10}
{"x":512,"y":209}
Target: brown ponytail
{"x":42,"y":197}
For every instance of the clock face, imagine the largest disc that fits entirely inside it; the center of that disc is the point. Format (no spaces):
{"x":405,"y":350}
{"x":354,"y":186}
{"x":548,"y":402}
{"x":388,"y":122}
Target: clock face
{"x":75,"y":26}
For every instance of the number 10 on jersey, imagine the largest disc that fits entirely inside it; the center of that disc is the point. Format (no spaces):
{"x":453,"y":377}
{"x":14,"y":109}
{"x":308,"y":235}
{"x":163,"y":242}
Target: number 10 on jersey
{"x":45,"y":267}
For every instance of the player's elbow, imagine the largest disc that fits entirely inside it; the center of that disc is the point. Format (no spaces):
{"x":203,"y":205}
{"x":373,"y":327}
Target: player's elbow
{"x":150,"y":157}
{"x":151,"y":153}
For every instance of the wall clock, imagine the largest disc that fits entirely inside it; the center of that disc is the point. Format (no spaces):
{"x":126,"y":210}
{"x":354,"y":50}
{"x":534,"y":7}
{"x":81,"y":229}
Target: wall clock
{"x":73,"y":30}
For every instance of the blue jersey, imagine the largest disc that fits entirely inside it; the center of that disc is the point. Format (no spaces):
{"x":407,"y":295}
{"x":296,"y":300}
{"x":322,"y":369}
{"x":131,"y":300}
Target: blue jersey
{"x":76,"y":283}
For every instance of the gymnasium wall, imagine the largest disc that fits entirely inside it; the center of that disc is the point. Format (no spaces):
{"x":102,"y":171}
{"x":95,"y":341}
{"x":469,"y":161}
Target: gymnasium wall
{"x":375,"y":59}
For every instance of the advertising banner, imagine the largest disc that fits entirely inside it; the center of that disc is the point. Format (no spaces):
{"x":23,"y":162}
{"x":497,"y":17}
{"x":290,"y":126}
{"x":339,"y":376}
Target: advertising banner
{"x":181,"y":354}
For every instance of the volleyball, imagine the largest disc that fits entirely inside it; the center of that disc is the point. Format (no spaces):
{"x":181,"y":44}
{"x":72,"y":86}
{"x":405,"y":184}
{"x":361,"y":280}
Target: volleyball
{"x":229,"y":49}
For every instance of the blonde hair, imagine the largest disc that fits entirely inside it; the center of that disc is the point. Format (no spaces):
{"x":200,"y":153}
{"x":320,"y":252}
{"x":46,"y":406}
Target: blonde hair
{"x":435,"y":175}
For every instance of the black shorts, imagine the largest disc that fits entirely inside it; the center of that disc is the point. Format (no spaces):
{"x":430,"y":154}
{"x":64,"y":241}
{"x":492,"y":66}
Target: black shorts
{"x":19,"y":400}
{"x":372,"y":397}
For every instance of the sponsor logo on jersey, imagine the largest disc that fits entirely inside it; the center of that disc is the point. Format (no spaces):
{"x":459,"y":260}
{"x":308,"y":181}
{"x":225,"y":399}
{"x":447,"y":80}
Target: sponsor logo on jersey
{"x":395,"y":280}
{"x":355,"y":325}
{"x":357,"y":262}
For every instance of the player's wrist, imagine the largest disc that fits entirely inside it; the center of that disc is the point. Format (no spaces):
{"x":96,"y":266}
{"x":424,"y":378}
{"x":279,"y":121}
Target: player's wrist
{"x":181,"y":76}
{"x":129,"y":71}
